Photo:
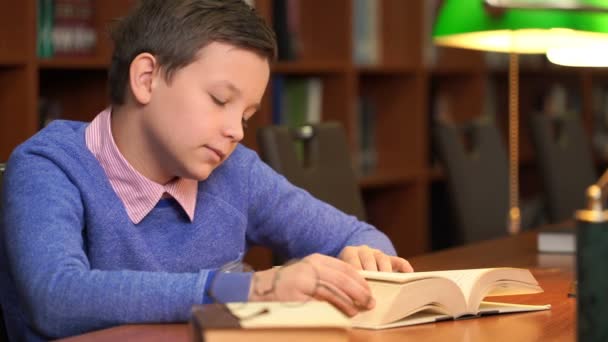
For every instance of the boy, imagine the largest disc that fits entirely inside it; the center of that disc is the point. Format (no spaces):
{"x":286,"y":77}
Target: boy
{"x":127,"y":219}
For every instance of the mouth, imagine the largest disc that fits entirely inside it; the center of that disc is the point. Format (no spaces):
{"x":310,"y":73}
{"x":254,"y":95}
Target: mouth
{"x":219,"y":153}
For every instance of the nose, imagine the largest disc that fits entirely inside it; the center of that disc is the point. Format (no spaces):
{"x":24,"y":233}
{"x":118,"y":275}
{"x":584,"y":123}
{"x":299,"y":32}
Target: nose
{"x":234,"y":128}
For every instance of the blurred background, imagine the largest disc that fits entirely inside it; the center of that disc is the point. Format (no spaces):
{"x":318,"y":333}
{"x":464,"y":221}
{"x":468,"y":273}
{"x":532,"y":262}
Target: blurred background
{"x":369,"y":65}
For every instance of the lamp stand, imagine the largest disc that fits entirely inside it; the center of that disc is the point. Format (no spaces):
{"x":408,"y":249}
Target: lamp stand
{"x":514,"y":223}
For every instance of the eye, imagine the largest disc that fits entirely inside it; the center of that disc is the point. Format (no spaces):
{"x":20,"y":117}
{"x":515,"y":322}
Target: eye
{"x":218,"y":101}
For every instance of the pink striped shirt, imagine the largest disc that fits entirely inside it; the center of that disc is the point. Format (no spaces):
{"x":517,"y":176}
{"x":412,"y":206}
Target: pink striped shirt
{"x":138,"y":194}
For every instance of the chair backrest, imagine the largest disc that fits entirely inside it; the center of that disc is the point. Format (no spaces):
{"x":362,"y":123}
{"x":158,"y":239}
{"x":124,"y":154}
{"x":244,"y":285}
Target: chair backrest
{"x":317,"y":159}
{"x":476,"y":169}
{"x":565,"y":163}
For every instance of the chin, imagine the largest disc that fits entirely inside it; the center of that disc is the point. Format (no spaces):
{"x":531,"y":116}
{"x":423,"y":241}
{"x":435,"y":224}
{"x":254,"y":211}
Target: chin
{"x":201,"y":173}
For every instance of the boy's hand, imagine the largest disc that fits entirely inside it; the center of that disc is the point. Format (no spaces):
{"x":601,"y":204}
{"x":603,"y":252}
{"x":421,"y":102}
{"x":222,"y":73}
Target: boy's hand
{"x":370,"y":259}
{"x":317,"y":277}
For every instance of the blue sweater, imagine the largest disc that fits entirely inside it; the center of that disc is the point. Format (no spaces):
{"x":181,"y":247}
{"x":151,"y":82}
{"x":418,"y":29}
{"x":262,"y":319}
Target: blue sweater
{"x":73,"y":262}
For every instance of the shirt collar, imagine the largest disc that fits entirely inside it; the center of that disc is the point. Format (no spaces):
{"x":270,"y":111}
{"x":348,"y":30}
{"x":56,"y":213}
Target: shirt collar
{"x":138,"y":193}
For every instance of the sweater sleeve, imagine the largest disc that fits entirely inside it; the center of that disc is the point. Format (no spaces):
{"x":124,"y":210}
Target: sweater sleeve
{"x":59,"y":293}
{"x":296,"y":224}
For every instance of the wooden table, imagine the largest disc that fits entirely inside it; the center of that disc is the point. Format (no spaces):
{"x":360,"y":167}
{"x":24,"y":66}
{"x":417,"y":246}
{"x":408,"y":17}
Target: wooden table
{"x":553,"y":271}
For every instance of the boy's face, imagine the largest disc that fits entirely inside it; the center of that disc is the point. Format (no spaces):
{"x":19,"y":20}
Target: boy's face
{"x":195,"y":121}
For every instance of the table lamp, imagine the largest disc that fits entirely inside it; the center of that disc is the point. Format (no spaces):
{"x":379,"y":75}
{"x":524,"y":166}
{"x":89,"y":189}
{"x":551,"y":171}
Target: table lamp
{"x":590,"y":50}
{"x":514,"y":27}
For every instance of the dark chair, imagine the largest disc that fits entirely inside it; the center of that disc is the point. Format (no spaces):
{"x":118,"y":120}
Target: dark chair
{"x":476,"y":167}
{"x":317,"y":159}
{"x":565,"y":163}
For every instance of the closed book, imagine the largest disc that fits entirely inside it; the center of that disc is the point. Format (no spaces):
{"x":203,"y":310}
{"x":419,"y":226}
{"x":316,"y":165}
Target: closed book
{"x":269,"y":321}
{"x":557,"y":239}
{"x":404,"y":299}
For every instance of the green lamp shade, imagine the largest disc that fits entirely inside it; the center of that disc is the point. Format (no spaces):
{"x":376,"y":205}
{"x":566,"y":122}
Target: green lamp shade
{"x":590,"y":50}
{"x":474,"y":25}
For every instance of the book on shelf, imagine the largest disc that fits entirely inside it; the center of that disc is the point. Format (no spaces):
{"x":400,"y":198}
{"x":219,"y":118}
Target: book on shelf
{"x":366,"y":32}
{"x":404,"y":299}
{"x":557,"y":239}
{"x":367,"y":156}
{"x":269,"y":321}
{"x":296,"y":100}
{"x":44,"y":21}
{"x":286,"y":25}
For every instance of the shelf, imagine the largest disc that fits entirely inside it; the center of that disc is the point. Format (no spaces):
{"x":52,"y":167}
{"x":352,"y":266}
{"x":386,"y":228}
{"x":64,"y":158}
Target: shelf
{"x":307,"y":68}
{"x":599,"y":72}
{"x":386,"y":69}
{"x":11,"y":62}
{"x":386,"y":179}
{"x":455,"y":71}
{"x":539,"y":71}
{"x":91,"y":63}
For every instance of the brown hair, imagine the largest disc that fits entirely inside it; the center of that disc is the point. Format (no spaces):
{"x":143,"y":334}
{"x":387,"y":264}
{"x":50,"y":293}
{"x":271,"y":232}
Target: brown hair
{"x":175,"y":30}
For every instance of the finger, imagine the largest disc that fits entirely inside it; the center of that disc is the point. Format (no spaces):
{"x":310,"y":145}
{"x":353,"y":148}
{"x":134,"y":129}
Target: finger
{"x":329,"y":293}
{"x":344,"y":277}
{"x":352,"y":258}
{"x":384,"y":262}
{"x":359,"y":295}
{"x":401,"y":265}
{"x":368,"y":260}
{"x":338,"y":265}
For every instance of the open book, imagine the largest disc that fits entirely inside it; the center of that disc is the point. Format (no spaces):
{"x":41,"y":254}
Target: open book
{"x":404,"y":299}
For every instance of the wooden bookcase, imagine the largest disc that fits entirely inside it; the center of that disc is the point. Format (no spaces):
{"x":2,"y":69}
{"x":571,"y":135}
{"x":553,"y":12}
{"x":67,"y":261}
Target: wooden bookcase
{"x":402,"y":88}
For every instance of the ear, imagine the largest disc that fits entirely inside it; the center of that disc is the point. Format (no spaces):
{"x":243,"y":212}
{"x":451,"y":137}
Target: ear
{"x":142,"y":74}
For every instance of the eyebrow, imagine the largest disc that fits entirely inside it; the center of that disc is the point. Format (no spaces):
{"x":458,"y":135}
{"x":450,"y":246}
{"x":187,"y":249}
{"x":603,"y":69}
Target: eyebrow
{"x":236,"y":90}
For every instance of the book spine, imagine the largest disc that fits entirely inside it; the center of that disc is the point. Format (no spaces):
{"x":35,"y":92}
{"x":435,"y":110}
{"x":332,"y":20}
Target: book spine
{"x":367,"y":156}
{"x":366,"y":32}
{"x":314,"y":103}
{"x":45,"y":28}
{"x":278,"y":96}
{"x":280,"y":26}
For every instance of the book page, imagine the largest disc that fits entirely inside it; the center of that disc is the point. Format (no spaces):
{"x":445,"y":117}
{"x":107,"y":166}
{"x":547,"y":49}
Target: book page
{"x":465,"y":279}
{"x":395,"y":301}
{"x":492,"y":308}
{"x":284,"y":315}
{"x":475,"y":284}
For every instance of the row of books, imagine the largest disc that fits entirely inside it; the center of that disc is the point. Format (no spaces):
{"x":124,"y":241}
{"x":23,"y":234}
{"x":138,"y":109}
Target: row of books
{"x":366,"y":30}
{"x":65,"y":28}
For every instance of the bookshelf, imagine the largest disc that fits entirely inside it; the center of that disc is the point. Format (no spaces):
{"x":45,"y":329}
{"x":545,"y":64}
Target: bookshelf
{"x":402,"y":86}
